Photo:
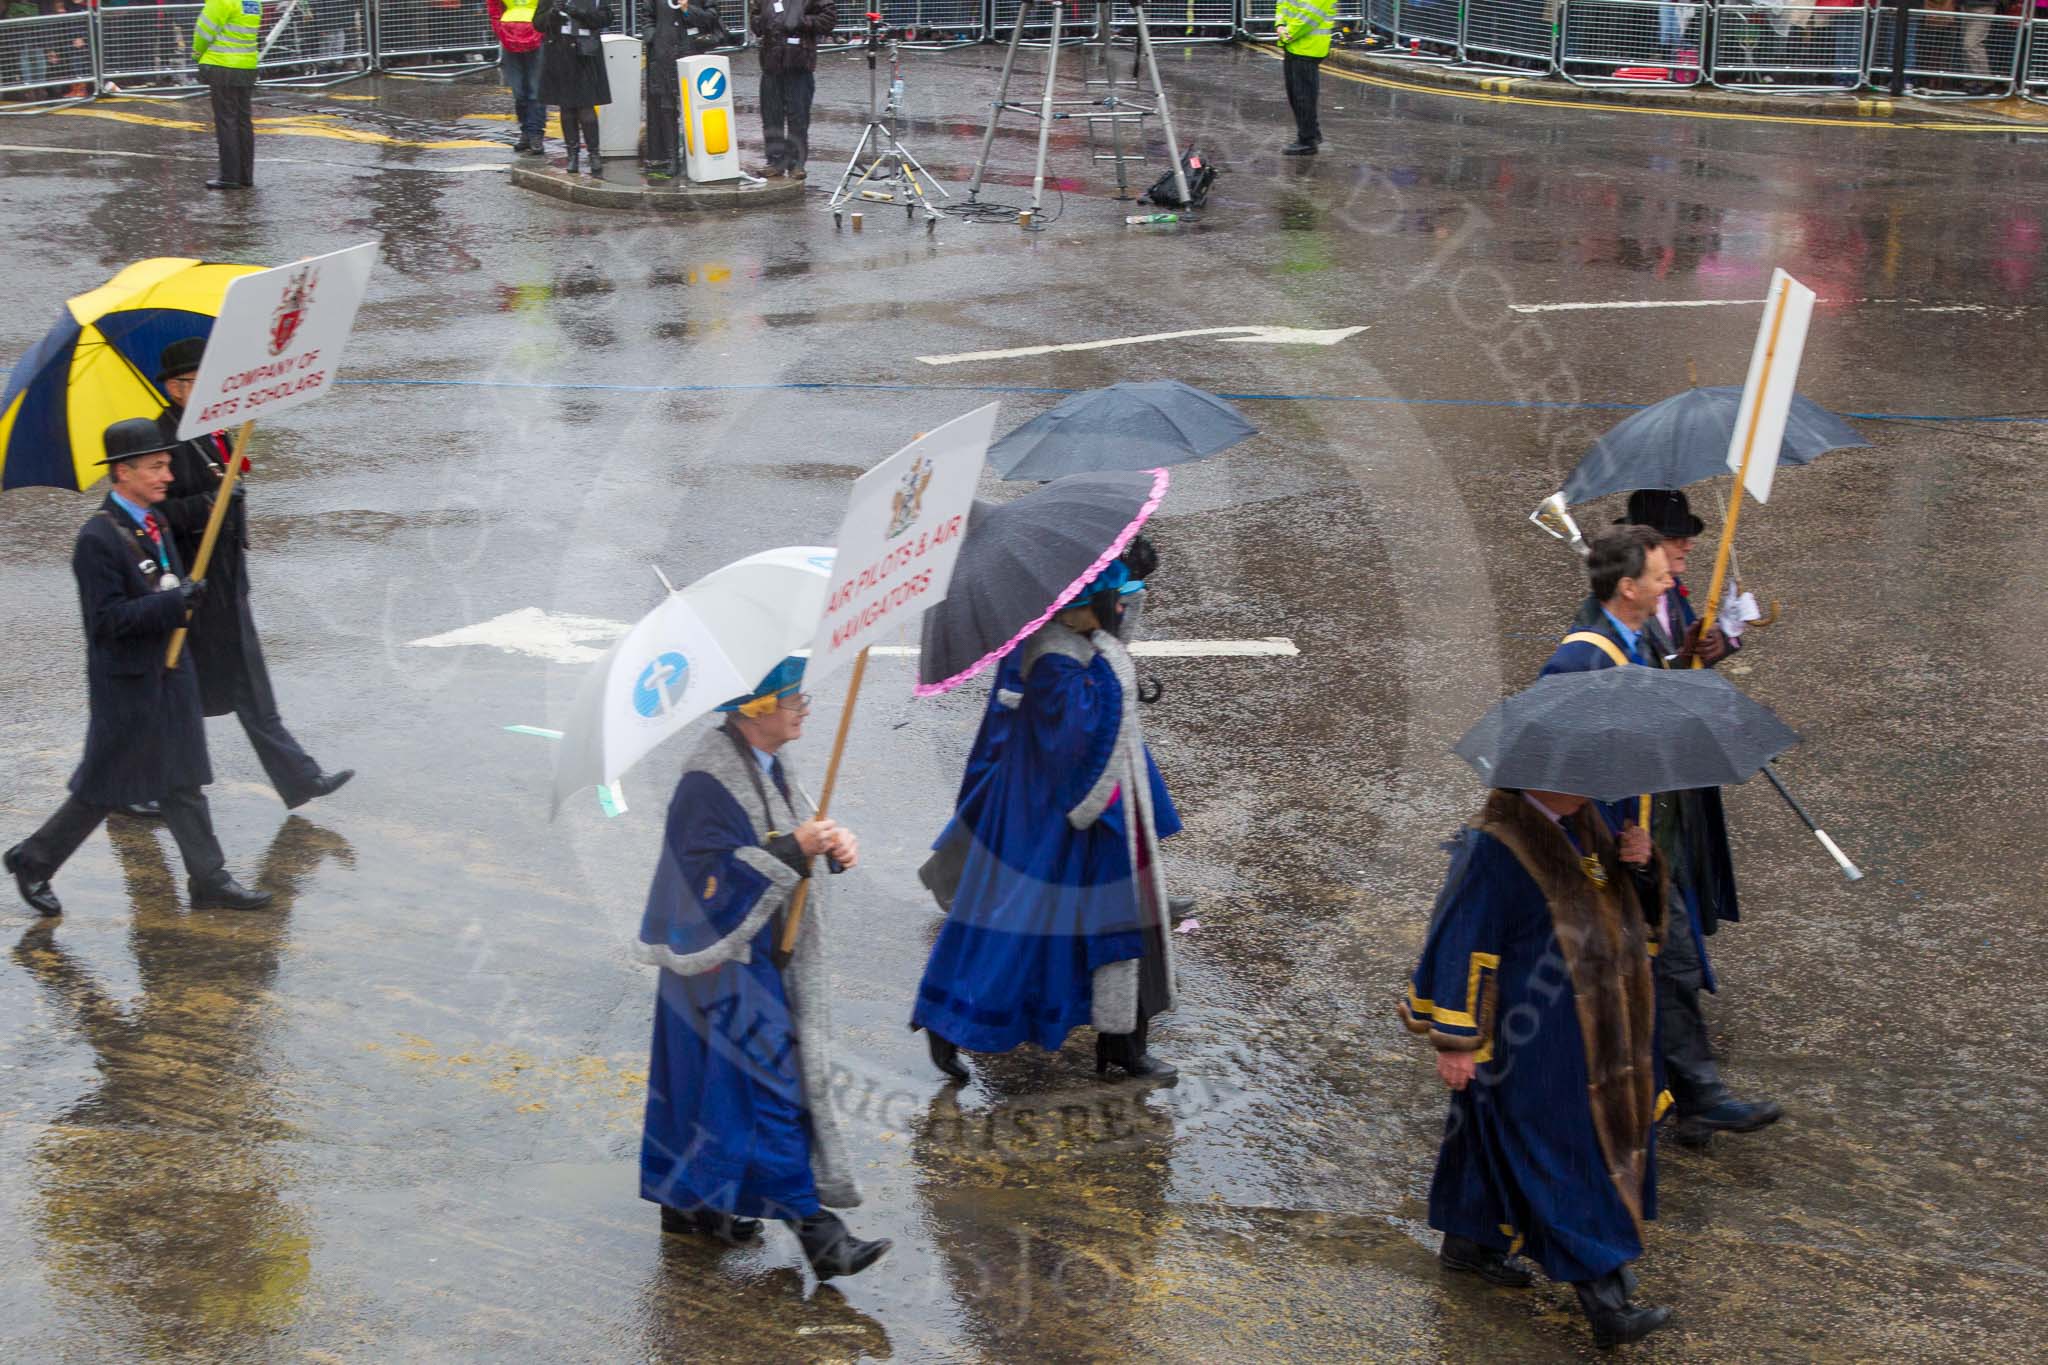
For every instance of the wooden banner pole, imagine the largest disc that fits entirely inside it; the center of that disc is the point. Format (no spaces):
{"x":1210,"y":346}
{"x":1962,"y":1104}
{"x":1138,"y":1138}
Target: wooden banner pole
{"x":214,"y":518}
{"x":1712,"y":610}
{"x":793,"y":921}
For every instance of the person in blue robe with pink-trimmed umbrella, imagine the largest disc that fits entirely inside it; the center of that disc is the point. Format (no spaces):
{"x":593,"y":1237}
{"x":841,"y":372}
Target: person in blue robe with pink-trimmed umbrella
{"x":740,"y":1124}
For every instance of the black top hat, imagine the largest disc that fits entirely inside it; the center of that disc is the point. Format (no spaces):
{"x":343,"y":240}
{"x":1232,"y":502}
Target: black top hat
{"x":1663,"y":510}
{"x":180,"y":357}
{"x":132,"y":438}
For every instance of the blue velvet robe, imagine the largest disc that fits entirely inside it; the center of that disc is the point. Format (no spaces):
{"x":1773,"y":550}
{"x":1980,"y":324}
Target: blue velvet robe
{"x":1041,"y":904}
{"x":1522,"y":1166}
{"x":727,"y":1127}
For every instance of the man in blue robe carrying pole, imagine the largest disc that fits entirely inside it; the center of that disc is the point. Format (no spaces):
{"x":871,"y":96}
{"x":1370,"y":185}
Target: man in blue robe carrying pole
{"x":1058,"y":917}
{"x":740,"y":1125}
{"x":1534,"y":986}
{"x":1636,"y":614}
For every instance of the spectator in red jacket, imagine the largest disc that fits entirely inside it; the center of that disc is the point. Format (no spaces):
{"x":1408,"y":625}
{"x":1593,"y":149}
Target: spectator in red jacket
{"x":519,"y":60}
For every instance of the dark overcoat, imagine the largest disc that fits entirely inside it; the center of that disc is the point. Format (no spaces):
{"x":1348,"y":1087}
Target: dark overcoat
{"x":223,"y":642}
{"x":146,"y":735}
{"x":572,"y":73}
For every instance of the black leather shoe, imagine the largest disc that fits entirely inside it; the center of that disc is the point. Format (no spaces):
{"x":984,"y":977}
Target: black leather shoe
{"x":1299,"y":149}
{"x":226,"y":185}
{"x":35,"y":890}
{"x":725,"y":1227}
{"x":225,"y":893}
{"x":1179,"y":908}
{"x":1729,"y":1116}
{"x":327,"y":784}
{"x":1495,"y":1267}
{"x":833,"y":1250}
{"x":1615,"y":1320}
{"x":1112,"y":1049}
{"x":946,"y":1056}
{"x":141,"y":810}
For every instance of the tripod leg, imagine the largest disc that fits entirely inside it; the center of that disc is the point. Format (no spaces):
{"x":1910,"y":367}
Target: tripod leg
{"x":1104,"y":12}
{"x":1180,"y":178}
{"x":846,"y":186}
{"x":995,"y":111}
{"x":1052,"y":67}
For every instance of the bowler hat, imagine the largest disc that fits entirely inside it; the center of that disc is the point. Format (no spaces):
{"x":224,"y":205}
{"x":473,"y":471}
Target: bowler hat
{"x":1663,"y":510}
{"x":132,"y":438}
{"x":180,"y":357}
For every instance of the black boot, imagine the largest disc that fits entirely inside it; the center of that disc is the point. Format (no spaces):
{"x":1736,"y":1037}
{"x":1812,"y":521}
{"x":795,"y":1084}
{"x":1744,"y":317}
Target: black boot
{"x":1729,"y":1116}
{"x":1127,"y":1052}
{"x":832,"y":1249}
{"x":225,"y":893}
{"x":596,"y":163}
{"x":725,"y":1227}
{"x":1616,"y":1321}
{"x":1495,"y":1267}
{"x":946,"y":1056}
{"x":575,"y":162}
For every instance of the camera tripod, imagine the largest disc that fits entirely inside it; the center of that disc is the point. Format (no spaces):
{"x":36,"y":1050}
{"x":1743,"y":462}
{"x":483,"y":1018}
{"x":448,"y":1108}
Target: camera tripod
{"x":894,"y":176}
{"x":1112,"y":109}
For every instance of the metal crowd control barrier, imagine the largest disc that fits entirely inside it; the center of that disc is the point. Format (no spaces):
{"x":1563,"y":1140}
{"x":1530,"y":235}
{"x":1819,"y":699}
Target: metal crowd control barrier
{"x":1519,"y":35}
{"x":1790,"y":49}
{"x":436,"y":39}
{"x":48,"y":60}
{"x":1975,"y":55}
{"x":1421,"y":30}
{"x":1261,"y":18}
{"x":149,"y":45}
{"x":1077,"y":25}
{"x":927,"y":24}
{"x":1631,"y":42}
{"x":1183,"y":21}
{"x":309,"y":43}
{"x":2034,"y":70}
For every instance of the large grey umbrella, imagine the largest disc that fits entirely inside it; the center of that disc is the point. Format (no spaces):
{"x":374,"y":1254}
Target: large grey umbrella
{"x":1125,"y":426}
{"x":1684,"y":439}
{"x":1021,"y":561}
{"x":1620,"y":732}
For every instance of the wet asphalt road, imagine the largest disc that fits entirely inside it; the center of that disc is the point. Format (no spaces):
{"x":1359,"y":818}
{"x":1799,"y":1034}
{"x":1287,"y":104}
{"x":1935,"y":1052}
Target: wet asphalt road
{"x":396,"y":1119}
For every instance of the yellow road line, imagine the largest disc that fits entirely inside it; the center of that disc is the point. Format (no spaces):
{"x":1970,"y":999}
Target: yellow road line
{"x":1488,"y":97}
{"x":296,"y":125}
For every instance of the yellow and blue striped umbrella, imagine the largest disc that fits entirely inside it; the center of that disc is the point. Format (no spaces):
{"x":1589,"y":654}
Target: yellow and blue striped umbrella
{"x":95,"y":367}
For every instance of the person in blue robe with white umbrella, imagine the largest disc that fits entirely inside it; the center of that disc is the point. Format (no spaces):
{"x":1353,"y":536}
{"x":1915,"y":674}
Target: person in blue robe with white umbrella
{"x":740,"y":1125}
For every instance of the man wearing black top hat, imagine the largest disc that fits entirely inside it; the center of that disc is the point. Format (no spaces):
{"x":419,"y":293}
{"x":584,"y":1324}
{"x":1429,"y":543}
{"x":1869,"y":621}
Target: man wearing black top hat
{"x":1694,"y":837}
{"x":232,"y":674}
{"x":146,"y":739}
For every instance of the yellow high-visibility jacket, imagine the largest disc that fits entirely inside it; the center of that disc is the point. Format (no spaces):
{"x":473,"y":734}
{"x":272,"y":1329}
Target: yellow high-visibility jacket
{"x":227,"y":32}
{"x":1306,"y":26}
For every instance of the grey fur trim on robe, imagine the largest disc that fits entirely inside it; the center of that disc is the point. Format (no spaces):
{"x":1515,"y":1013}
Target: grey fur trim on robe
{"x":807,"y":981}
{"x":1113,"y":991}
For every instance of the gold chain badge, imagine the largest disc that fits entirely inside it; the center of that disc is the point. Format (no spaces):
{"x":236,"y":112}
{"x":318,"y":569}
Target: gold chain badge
{"x":1595,"y":871}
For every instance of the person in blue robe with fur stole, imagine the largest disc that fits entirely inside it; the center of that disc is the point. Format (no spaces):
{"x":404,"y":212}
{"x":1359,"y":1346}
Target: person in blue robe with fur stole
{"x":740,"y":1125}
{"x":1534,"y":987}
{"x":1058,"y":915}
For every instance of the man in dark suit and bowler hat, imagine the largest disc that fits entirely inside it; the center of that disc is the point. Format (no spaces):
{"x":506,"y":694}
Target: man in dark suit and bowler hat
{"x":146,"y":740}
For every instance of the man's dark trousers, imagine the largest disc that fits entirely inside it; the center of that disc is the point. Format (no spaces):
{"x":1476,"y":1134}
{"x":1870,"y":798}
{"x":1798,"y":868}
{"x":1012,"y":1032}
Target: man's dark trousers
{"x":1690,"y":1072}
{"x":184,"y":809}
{"x":234,"y":134}
{"x":290,"y":769}
{"x":1304,"y":83}
{"x":786,"y":116}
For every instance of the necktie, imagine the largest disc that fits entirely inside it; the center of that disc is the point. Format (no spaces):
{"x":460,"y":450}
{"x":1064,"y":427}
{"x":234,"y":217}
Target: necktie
{"x":775,"y":771}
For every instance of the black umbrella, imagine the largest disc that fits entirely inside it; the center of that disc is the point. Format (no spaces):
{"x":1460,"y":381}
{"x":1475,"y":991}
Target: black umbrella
{"x":1125,"y":426}
{"x":1684,"y":439}
{"x":1021,"y":561}
{"x":1621,"y":732}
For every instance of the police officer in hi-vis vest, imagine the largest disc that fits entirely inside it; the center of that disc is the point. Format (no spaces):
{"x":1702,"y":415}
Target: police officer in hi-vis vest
{"x":1304,"y":29}
{"x":224,"y":43}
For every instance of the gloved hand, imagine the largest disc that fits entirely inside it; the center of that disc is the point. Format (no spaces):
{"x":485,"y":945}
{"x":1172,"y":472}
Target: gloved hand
{"x":193,"y":591}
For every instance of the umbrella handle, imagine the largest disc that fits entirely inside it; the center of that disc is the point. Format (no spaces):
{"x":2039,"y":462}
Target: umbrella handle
{"x":214,"y":518}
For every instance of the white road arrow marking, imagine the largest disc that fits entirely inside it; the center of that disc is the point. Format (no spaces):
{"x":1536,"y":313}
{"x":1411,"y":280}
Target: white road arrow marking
{"x":563,"y":639}
{"x":1268,"y":336}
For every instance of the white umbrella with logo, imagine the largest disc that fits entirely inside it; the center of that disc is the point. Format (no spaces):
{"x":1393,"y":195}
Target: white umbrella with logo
{"x":703,"y":644}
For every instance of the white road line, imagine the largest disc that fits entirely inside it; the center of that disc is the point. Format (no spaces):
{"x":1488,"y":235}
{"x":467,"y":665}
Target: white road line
{"x":1630,"y":303}
{"x":560,"y":638}
{"x":1270,"y":336}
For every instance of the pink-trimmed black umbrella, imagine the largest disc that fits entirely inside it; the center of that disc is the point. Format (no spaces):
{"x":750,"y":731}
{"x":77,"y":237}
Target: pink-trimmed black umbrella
{"x":1021,"y":562}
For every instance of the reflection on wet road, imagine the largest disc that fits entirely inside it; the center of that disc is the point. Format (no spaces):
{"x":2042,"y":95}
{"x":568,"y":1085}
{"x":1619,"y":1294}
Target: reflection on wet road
{"x":396,"y":1118}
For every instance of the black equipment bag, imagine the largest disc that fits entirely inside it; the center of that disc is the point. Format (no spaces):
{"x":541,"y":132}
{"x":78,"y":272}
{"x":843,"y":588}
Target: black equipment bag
{"x":1200,"y":175}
